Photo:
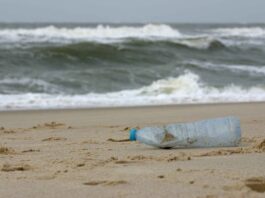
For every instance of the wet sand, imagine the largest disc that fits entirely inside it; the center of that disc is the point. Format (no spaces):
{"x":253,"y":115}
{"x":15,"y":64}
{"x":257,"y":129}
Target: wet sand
{"x":81,"y":153}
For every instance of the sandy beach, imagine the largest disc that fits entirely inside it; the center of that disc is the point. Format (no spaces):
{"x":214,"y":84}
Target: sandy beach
{"x":82,"y":153}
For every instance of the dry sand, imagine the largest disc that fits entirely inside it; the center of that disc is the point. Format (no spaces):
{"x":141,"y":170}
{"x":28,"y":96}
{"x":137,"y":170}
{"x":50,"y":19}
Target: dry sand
{"x":84,"y":153}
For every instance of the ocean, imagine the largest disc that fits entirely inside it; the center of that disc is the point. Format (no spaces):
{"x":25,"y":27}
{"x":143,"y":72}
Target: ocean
{"x":51,"y":66}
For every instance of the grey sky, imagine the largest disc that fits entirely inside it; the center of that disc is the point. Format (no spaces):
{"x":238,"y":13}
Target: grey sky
{"x":243,"y":11}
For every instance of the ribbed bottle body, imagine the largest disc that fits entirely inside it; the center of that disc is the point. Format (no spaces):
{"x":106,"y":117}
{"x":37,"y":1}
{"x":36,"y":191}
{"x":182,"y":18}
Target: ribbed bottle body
{"x":219,"y":132}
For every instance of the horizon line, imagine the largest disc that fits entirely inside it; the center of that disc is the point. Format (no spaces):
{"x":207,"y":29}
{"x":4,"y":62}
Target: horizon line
{"x":106,"y":22}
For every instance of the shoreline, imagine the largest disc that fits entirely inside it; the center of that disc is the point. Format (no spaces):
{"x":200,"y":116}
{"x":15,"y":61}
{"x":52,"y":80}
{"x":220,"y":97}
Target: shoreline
{"x":132,"y":107}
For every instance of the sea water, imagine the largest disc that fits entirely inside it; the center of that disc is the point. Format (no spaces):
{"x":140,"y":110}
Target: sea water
{"x":44,"y":66}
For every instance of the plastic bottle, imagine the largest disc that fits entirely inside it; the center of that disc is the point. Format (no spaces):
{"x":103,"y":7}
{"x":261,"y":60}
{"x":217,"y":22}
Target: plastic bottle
{"x":219,"y":132}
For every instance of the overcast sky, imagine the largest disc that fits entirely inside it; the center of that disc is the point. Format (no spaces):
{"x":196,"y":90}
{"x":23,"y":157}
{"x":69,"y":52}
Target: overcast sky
{"x":243,"y":11}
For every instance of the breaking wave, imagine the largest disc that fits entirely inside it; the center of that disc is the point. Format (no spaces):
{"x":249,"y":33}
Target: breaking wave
{"x":84,"y":65}
{"x":250,"y":69}
{"x":114,"y":34}
{"x":100,"y":33}
{"x":241,"y":32}
{"x":186,"y":88}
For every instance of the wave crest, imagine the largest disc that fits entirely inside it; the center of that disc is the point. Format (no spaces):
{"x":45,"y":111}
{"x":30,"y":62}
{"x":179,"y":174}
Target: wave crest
{"x":99,"y":33}
{"x":250,"y":69}
{"x":16,"y":85}
{"x":241,"y":32}
{"x":186,"y":88}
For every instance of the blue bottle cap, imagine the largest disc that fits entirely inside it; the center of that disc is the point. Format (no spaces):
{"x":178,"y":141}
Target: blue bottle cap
{"x":133,"y":132}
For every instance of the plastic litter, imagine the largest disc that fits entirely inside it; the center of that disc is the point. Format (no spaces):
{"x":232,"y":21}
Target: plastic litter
{"x":219,"y":132}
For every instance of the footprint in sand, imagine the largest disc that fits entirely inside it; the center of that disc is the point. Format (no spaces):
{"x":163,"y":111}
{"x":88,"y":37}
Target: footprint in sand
{"x":6,"y":151}
{"x":17,"y":167}
{"x":54,"y":139}
{"x":52,"y":176}
{"x":6,"y":131}
{"x":51,"y":125}
{"x":256,"y":184}
{"x":31,"y":150}
{"x":260,"y":145}
{"x":124,"y":162}
{"x":120,"y":140}
{"x":105,"y":183}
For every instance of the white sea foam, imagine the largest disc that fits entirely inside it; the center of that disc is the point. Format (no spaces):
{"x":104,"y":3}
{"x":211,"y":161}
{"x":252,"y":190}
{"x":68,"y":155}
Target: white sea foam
{"x":199,"y":42}
{"x":103,"y":34}
{"x":186,"y":88}
{"x":99,"y":33}
{"x":253,"y":70}
{"x":109,"y":34}
{"x":241,"y":32}
{"x":30,"y":83}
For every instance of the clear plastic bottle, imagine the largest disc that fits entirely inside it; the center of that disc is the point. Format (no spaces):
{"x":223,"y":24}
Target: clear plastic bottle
{"x":219,"y":132}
